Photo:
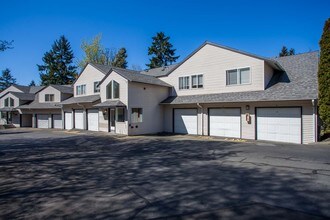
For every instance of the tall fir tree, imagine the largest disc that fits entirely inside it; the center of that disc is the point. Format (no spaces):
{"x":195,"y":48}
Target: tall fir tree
{"x":162,"y":51}
{"x":324,"y":76}
{"x":58,"y":65}
{"x":5,"y":45}
{"x":6,"y":79}
{"x":120,"y":59}
{"x":286,"y":52}
{"x":32,"y":83}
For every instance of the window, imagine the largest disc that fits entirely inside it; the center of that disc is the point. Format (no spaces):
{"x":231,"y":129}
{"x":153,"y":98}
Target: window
{"x":184,"y":82}
{"x":120,"y":115}
{"x":113,"y":90}
{"x":238,"y":76}
{"x":197,"y":81}
{"x":81,"y":90}
{"x":9,"y":102}
{"x":96,"y":87}
{"x":136,"y":115}
{"x":49,"y":97}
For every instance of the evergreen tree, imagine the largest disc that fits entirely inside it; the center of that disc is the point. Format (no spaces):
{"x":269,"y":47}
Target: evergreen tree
{"x":120,"y":59}
{"x":292,"y":52}
{"x":162,"y":51}
{"x":32,"y":83}
{"x":285,"y":52}
{"x":4,"y":45}
{"x":58,"y":67}
{"x":324,"y":76}
{"x":6,"y":79}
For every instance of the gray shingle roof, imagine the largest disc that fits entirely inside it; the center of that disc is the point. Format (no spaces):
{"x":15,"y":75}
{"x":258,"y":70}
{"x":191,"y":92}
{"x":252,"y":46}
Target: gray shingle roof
{"x":82,"y":99}
{"x":103,"y":68}
{"x":114,"y":103}
{"x":38,"y":105}
{"x":29,"y":89}
{"x":67,"y":89}
{"x":160,"y":71}
{"x":23,"y":96}
{"x":136,"y":76}
{"x":298,"y":82}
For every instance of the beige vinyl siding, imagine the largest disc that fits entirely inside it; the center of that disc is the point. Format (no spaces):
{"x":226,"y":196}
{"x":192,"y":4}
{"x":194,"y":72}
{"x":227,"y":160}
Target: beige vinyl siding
{"x":213,"y":62}
{"x":269,"y":71}
{"x":147,"y":97}
{"x":248,"y":130}
{"x":16,"y":100}
{"x":88,"y":77}
{"x":50,"y":90}
{"x":9,"y":89}
{"x":123,"y":90}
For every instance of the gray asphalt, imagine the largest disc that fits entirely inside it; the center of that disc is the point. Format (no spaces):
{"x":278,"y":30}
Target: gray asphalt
{"x":46,"y":174}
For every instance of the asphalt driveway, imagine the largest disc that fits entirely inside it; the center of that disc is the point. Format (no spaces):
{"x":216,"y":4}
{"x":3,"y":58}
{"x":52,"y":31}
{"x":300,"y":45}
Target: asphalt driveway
{"x":83,"y":175}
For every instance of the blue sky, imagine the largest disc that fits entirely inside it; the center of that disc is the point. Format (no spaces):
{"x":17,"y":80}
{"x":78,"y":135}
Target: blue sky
{"x":259,"y":27}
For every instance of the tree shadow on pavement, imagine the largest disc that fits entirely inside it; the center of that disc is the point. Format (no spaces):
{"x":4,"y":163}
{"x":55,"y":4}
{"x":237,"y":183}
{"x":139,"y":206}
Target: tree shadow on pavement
{"x":106,"y":177}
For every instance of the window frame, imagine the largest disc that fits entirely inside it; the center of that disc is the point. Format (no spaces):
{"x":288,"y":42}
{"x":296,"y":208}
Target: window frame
{"x":198,"y":85}
{"x":81,"y":89}
{"x":9,"y":102}
{"x":117,"y":114}
{"x":187,"y":87}
{"x":49,"y":97}
{"x":97,"y":87}
{"x":140,"y":115}
{"x":112,"y":90}
{"x":238,"y":75}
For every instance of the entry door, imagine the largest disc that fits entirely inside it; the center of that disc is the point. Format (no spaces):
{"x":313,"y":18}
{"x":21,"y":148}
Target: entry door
{"x":112,"y":119}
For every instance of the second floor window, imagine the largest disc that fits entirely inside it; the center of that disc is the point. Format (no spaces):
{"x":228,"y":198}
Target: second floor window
{"x":49,"y":97}
{"x":81,"y":90}
{"x":9,"y":102}
{"x":113,"y":90}
{"x":197,"y":81}
{"x":96,"y":87}
{"x":238,"y":76}
{"x":184,"y":82}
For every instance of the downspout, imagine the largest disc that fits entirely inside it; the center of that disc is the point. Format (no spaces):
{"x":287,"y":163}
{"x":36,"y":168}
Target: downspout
{"x":314,"y":104}
{"x":201,"y":107}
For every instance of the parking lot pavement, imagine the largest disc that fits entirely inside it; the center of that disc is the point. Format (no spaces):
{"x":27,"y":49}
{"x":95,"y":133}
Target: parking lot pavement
{"x":80,"y":174}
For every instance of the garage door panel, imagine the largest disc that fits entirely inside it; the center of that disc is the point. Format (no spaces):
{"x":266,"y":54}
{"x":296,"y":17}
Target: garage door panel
{"x":225,"y":122}
{"x":42,"y":121}
{"x":93,"y":119}
{"x":79,"y":119}
{"x":185,"y":121}
{"x":57,"y":121}
{"x":279,"y":124}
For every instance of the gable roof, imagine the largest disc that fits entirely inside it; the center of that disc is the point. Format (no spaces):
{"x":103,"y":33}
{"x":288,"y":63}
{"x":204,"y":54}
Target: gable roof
{"x":96,"y":66}
{"x":23,"y":96}
{"x":173,"y":67}
{"x":67,"y":89}
{"x":136,"y":76}
{"x":298,"y":82}
{"x":29,"y":89}
{"x":81,"y":99}
{"x":160,"y":71}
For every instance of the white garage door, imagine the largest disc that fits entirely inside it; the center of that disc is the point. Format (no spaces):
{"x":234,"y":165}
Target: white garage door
{"x":78,"y":119}
{"x":42,"y":121}
{"x":279,"y":124}
{"x":57,"y":121}
{"x":225,"y":122}
{"x":68,"y":120}
{"x":93,"y":119}
{"x":185,"y":121}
